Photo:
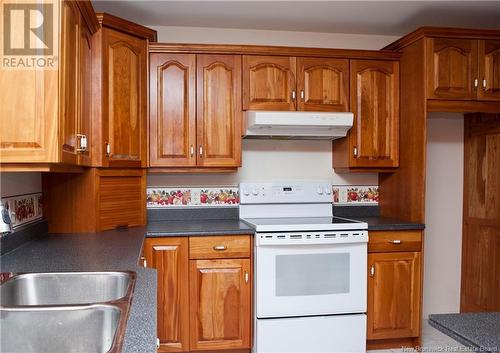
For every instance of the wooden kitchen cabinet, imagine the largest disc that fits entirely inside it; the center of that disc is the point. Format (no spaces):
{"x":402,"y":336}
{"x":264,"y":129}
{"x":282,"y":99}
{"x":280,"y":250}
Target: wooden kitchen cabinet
{"x":269,"y":83}
{"x":51,"y":105}
{"x":94,"y":200}
{"x":195,"y":111}
{"x":463,"y":69}
{"x":169,"y":256}
{"x":204,"y":292}
{"x":394,"y":288}
{"x":323,"y":84}
{"x":220,"y":304}
{"x":295,"y":83}
{"x":373,"y":141}
{"x":120,"y":92}
{"x":489,"y":70}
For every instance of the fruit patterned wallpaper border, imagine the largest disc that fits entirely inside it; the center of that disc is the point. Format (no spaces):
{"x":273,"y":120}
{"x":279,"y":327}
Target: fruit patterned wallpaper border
{"x":228,"y":196}
{"x":24,"y":208}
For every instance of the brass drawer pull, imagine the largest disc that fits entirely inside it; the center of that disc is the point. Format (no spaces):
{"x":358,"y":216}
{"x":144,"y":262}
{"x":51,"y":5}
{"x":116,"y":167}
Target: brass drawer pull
{"x":220,"y":247}
{"x":397,"y":241}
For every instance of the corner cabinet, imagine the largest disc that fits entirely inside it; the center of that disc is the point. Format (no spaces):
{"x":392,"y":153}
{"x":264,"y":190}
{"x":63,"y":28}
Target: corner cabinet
{"x":45,"y":112}
{"x":120,"y":92}
{"x":394,"y":288}
{"x":204,"y":292}
{"x":373,"y":141}
{"x":195,"y":111}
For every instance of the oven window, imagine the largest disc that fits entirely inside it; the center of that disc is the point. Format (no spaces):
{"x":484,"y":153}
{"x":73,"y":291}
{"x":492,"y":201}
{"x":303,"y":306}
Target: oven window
{"x":312,"y":274}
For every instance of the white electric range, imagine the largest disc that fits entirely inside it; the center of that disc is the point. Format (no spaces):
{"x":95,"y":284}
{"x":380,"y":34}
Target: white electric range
{"x":310,"y":269}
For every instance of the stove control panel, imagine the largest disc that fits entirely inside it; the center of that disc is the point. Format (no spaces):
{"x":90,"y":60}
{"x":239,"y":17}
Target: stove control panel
{"x":286,"y":192}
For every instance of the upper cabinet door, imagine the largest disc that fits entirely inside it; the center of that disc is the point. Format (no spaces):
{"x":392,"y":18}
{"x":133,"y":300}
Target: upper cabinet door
{"x":172,"y":115}
{"x":219,"y":110}
{"x":323,"y":84}
{"x":375,"y":104}
{"x":69,"y":82}
{"x":269,"y":83}
{"x":125,"y":87}
{"x":452,"y":68}
{"x":489,"y":70}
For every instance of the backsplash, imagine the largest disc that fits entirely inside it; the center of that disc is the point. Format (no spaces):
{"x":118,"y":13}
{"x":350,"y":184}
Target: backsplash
{"x":24,"y":208}
{"x":228,"y":196}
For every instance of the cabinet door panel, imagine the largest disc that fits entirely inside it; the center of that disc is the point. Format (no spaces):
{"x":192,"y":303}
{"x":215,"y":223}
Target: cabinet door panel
{"x":170,"y":258}
{"x":85,"y":94}
{"x":393,"y":295}
{"x":220,"y":304}
{"x":268,"y":83}
{"x":375,"y":104}
{"x":323,"y":84}
{"x":172,"y":136}
{"x":219,"y":112}
{"x":452,"y":68}
{"x":489,"y":70}
{"x":70,"y":37}
{"x":126,"y":97}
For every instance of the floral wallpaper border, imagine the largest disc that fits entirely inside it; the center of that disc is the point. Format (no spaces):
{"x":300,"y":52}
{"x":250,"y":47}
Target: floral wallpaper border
{"x":27,"y":208}
{"x":228,"y":196}
{"x":355,"y":195}
{"x":223,"y":196}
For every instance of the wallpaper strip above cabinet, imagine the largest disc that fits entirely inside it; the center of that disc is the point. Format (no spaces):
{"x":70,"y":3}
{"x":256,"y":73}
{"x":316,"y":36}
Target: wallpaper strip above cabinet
{"x":228,"y":196}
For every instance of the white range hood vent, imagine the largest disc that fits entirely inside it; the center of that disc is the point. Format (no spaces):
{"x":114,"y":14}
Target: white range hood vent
{"x":297,"y":125}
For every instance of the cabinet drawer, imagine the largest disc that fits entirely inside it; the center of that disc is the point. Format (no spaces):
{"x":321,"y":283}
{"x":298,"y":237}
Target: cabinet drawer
{"x":212,"y":247}
{"x":388,"y":241}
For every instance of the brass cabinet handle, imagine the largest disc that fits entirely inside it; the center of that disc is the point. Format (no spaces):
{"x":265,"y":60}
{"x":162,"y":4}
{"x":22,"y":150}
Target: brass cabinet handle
{"x":372,"y":271}
{"x":476,"y":83}
{"x":220,"y":247}
{"x":395,"y":241}
{"x":247,"y":277}
{"x":484,"y":84}
{"x":294,"y":95}
{"x":108,"y":149}
{"x":201,"y":151}
{"x":302,"y":94}
{"x":191,"y":150}
{"x":355,"y":152}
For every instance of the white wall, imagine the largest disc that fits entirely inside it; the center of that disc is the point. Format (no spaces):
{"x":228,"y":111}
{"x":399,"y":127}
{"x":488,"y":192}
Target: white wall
{"x":443,"y":213}
{"x":171,"y":34}
{"x":12,"y":184}
{"x":272,"y":159}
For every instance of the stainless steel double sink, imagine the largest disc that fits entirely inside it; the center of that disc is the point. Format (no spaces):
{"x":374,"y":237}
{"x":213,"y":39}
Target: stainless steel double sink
{"x":65,"y":311}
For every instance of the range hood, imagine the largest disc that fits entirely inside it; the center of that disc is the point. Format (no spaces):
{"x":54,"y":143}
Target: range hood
{"x":297,"y":125}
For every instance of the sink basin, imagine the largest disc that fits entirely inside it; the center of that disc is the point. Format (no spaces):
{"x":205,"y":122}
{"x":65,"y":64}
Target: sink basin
{"x":64,"y":288}
{"x":89,"y":328}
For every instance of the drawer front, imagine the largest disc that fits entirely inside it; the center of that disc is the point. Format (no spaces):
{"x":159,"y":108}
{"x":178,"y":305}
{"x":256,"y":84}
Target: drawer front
{"x":217,"y":247}
{"x":388,"y":241}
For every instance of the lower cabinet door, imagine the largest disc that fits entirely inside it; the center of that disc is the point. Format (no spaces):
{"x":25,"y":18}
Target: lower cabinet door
{"x":220,"y":307}
{"x":169,"y":256}
{"x":393,"y":295}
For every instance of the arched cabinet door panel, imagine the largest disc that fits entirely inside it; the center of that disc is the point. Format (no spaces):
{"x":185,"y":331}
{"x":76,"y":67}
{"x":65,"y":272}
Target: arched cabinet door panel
{"x":374,"y":136}
{"x":218,"y":120}
{"x":172,"y":134}
{"x":452,"y":68}
{"x":269,"y":83}
{"x":489,"y":70}
{"x":126,"y":97}
{"x":323,"y":84}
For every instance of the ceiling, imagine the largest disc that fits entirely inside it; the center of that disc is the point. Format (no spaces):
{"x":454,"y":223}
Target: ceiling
{"x":357,"y":17}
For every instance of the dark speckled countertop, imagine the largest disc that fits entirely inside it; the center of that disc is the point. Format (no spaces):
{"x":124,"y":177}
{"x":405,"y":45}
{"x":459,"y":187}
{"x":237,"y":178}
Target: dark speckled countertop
{"x":479,"y":331}
{"x":198,"y":227}
{"x":384,"y":223}
{"x":105,"y":251}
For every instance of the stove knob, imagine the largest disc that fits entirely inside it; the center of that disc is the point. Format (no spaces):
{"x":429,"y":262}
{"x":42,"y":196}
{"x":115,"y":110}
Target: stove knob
{"x":328,"y":190}
{"x":255,"y":191}
{"x":320,"y":190}
{"x":246,"y":192}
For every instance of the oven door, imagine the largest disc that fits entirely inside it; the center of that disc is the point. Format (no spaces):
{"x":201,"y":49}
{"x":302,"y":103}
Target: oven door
{"x":310,"y":279}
